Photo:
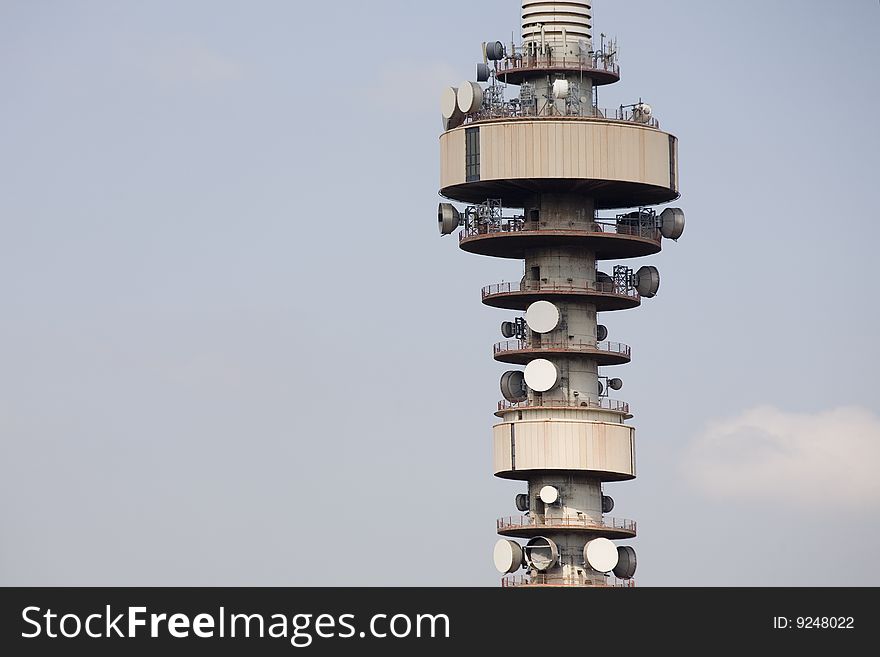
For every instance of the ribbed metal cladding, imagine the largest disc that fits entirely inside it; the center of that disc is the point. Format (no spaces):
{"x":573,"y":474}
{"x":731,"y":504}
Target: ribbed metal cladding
{"x":575,"y":18}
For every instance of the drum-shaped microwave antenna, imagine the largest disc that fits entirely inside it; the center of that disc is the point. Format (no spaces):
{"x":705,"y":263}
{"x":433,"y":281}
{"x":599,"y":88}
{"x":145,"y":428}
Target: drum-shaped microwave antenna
{"x":542,"y":554}
{"x":469,"y":97}
{"x":648,"y":281}
{"x":542,"y":316}
{"x":626,"y":562}
{"x":607,"y":504}
{"x":513,"y":386}
{"x":601,"y":332}
{"x":448,"y":218}
{"x":452,"y":116}
{"x":482,"y":72}
{"x":672,"y":223}
{"x":601,"y":554}
{"x":522,"y":502}
{"x":541,"y":375}
{"x":508,"y":556}
{"x":448,"y":102}
{"x":615,"y":384}
{"x":494,"y":50}
{"x":508,"y":329}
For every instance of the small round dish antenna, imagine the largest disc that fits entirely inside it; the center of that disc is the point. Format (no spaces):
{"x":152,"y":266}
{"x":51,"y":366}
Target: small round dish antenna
{"x":469,"y":97}
{"x":601,"y":554}
{"x":508,"y":556}
{"x":452,"y":116}
{"x":541,"y":375}
{"x":549,"y":495}
{"x":542,"y":317}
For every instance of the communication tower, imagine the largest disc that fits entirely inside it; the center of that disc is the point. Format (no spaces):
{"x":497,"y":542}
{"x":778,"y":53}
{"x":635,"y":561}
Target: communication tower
{"x":528,"y":136}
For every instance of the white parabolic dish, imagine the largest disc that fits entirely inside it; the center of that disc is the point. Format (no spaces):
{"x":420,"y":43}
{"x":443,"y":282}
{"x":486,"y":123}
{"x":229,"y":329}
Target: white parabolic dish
{"x":541,"y":375}
{"x":470,"y":97}
{"x":542,"y":317}
{"x":601,"y":554}
{"x":549,"y":495}
{"x":508,"y":556}
{"x":449,"y":102}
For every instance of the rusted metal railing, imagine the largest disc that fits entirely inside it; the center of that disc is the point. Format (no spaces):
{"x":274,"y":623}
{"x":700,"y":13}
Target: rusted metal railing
{"x":603,"y":403}
{"x":526,"y":61}
{"x":584,"y":522}
{"x":580,"y":346}
{"x":549,"y":580}
{"x":575,"y":286}
{"x":513,"y":110}
{"x":519,"y":225}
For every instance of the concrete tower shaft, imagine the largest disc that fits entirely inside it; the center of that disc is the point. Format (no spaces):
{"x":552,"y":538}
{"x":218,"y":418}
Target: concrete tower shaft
{"x":556,"y":159}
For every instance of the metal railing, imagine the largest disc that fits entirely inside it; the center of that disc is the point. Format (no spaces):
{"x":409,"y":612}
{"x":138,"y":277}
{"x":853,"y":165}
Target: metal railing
{"x":603,"y":403}
{"x":530,"y":521}
{"x":523,"y":345}
{"x":574,"y":286}
{"x":514,"y":109}
{"x":549,"y":580}
{"x":527,"y":61}
{"x":519,"y":225}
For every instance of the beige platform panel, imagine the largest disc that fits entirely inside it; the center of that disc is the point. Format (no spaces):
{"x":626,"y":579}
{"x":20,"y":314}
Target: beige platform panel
{"x":562,"y":149}
{"x":520,"y":447}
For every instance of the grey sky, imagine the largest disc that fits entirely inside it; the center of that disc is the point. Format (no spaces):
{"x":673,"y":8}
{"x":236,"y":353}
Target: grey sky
{"x":234,"y":350}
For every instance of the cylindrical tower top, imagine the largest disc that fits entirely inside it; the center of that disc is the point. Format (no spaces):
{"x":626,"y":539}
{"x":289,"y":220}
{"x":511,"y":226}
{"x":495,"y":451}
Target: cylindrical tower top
{"x":560,"y":21}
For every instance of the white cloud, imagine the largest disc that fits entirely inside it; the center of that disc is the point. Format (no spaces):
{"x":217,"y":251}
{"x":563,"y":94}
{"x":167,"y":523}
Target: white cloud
{"x":827,"y":460}
{"x":190,"y":62}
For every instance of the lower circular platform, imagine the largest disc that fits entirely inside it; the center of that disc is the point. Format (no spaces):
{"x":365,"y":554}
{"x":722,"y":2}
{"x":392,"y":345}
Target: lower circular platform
{"x":607,"y":245}
{"x":519,"y":296}
{"x":540,"y":581}
{"x":528,"y":526}
{"x":603,"y":404}
{"x":518,"y":352}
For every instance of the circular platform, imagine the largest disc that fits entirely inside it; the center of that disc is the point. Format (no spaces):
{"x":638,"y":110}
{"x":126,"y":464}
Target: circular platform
{"x":519,"y":296}
{"x":606,"y":193}
{"x":602,"y":404}
{"x":517,"y":74}
{"x":528,"y":526}
{"x":544,"y":581}
{"x":518,"y":352}
{"x":511,"y":240}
